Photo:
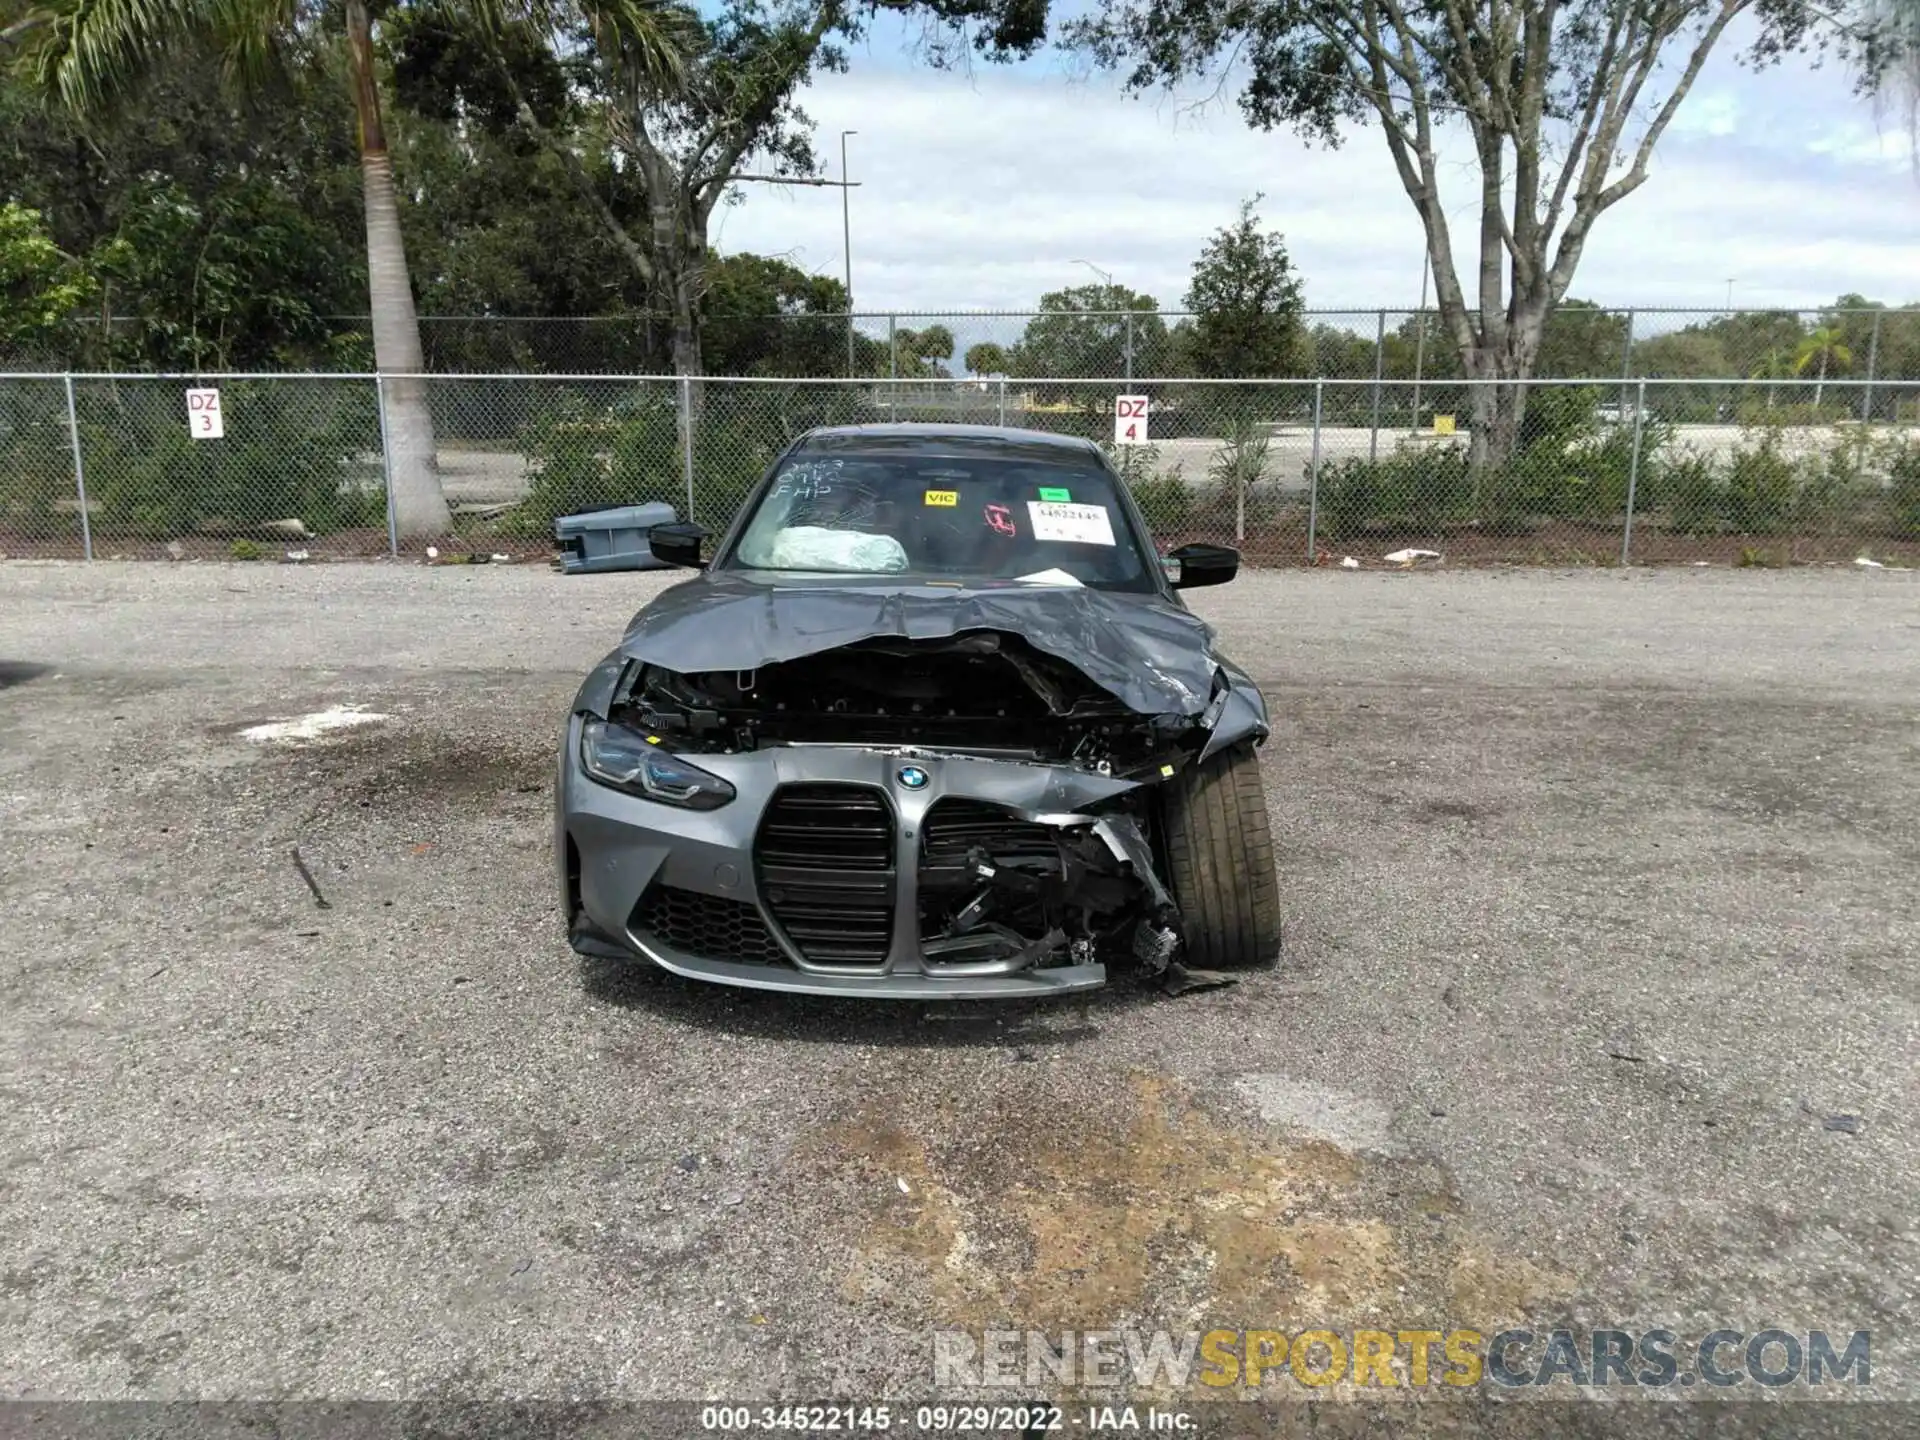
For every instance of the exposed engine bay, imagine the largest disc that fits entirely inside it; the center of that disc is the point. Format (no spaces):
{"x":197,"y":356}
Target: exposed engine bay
{"x":999,"y":889}
{"x":980,"y":693}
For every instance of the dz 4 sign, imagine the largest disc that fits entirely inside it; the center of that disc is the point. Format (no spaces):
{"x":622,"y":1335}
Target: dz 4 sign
{"x":204,"y":421}
{"x":1129,"y":419}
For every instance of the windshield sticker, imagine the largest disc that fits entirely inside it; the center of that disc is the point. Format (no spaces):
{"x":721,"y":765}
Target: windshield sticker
{"x":1000,"y":520}
{"x":1075,"y":524}
{"x":943,"y":497}
{"x":1056,"y":495}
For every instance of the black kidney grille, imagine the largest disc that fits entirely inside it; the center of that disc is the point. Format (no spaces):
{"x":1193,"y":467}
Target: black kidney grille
{"x":707,"y":927}
{"x":825,"y":860}
{"x":954,"y":826}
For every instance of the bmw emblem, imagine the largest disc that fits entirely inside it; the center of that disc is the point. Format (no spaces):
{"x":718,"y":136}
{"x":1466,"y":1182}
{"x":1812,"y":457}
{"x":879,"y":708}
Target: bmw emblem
{"x":913,"y":777}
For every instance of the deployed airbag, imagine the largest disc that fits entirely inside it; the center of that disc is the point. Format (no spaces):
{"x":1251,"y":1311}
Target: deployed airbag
{"x":814,"y":547}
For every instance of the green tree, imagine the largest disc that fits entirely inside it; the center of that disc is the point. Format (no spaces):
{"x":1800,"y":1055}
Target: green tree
{"x":181,"y":177}
{"x":39,"y":286}
{"x":986,"y":358}
{"x":922,"y":353}
{"x":88,"y":55}
{"x":1824,"y":346}
{"x":1582,"y":342}
{"x":1338,"y":353}
{"x":232,"y":283}
{"x":1246,"y":303}
{"x":764,"y":316}
{"x":1091,"y":331}
{"x":687,"y":132}
{"x":1563,"y":104}
{"x":1722,"y":348}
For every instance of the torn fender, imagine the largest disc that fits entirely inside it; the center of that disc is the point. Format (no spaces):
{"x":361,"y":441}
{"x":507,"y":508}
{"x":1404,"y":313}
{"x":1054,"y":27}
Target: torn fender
{"x":1154,"y":656}
{"x":1242,"y":713}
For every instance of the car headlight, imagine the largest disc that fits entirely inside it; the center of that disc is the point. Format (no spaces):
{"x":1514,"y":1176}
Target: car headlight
{"x":626,"y":760}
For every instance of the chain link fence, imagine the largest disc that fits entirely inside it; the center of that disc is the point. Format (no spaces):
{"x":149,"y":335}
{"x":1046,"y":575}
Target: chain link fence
{"x":1795,"y":351}
{"x":1291,"y":471}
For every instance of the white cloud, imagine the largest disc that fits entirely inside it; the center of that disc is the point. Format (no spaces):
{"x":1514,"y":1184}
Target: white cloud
{"x":982,"y":191}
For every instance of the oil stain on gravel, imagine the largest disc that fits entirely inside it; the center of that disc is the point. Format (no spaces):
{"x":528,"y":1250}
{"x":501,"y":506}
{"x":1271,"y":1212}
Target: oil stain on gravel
{"x":1150,"y":1209}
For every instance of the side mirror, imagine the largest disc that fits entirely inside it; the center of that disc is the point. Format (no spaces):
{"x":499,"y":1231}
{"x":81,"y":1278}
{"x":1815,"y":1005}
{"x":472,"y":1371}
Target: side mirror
{"x":1202,"y":564}
{"x":678,"y":543}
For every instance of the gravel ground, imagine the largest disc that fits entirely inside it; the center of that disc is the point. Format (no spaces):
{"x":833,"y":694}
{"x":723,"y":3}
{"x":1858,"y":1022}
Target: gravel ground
{"x":1601,"y":915}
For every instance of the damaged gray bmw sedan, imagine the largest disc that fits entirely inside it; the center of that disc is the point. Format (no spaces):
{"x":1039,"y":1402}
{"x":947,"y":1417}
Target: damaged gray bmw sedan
{"x":930,"y":723}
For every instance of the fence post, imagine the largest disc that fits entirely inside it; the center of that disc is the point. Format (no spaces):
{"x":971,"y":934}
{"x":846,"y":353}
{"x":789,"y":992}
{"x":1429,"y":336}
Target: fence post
{"x":1129,"y":351}
{"x":1633,"y":472}
{"x":1379,"y":359}
{"x":686,"y":437}
{"x":1313,"y":473}
{"x":1873,"y":360}
{"x":386,"y":463}
{"x":1419,"y":360}
{"x":1240,"y":484}
{"x":79,"y":471}
{"x":1003,"y":402}
{"x":893,"y":364}
{"x":1626,"y":361}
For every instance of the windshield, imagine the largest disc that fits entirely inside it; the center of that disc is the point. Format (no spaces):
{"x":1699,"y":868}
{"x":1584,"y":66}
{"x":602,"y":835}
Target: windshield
{"x":1009,"y":517}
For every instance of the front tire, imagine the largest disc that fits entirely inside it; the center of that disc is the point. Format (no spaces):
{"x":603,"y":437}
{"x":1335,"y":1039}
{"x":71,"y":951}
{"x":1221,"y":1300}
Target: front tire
{"x":1220,"y":861}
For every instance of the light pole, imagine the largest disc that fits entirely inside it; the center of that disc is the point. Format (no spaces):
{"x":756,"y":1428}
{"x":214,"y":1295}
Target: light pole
{"x":1107,"y":277}
{"x":846,"y":240}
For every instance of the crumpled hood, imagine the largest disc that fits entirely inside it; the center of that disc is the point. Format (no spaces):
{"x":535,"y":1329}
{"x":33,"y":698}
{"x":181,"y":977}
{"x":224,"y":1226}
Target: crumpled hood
{"x":1155,"y":657}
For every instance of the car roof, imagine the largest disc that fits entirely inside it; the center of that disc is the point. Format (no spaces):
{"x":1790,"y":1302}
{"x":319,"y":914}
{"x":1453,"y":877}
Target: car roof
{"x":896,"y":437}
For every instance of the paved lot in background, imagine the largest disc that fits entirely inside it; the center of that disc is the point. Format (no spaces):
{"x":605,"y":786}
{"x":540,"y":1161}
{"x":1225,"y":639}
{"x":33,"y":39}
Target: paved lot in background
{"x":480,"y":476}
{"x":1600,"y":903}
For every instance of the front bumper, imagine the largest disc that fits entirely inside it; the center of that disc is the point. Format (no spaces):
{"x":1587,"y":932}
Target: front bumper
{"x":692,"y":892}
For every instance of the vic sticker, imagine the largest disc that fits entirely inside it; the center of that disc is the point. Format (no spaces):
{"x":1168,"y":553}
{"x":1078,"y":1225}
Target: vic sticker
{"x":943,"y":497}
{"x":1075,"y":524}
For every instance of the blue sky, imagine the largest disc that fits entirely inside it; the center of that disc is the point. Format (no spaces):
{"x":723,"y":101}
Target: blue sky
{"x":982,"y":190}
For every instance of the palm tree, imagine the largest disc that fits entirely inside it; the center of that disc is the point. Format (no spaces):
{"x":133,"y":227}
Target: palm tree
{"x":87,"y":54}
{"x":1774,"y":368}
{"x":1824,"y":344}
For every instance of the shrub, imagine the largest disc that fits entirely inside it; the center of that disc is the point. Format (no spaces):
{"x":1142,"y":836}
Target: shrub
{"x":1590,"y":479}
{"x":1557,"y":417}
{"x":1415,"y":490}
{"x":1692,"y":490}
{"x":1241,"y":462}
{"x":578,"y":458}
{"x":36,"y":459}
{"x":1903,"y":476}
{"x":1166,"y":500}
{"x":1761,"y":488}
{"x":304,"y":451}
{"x":244,"y":550}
